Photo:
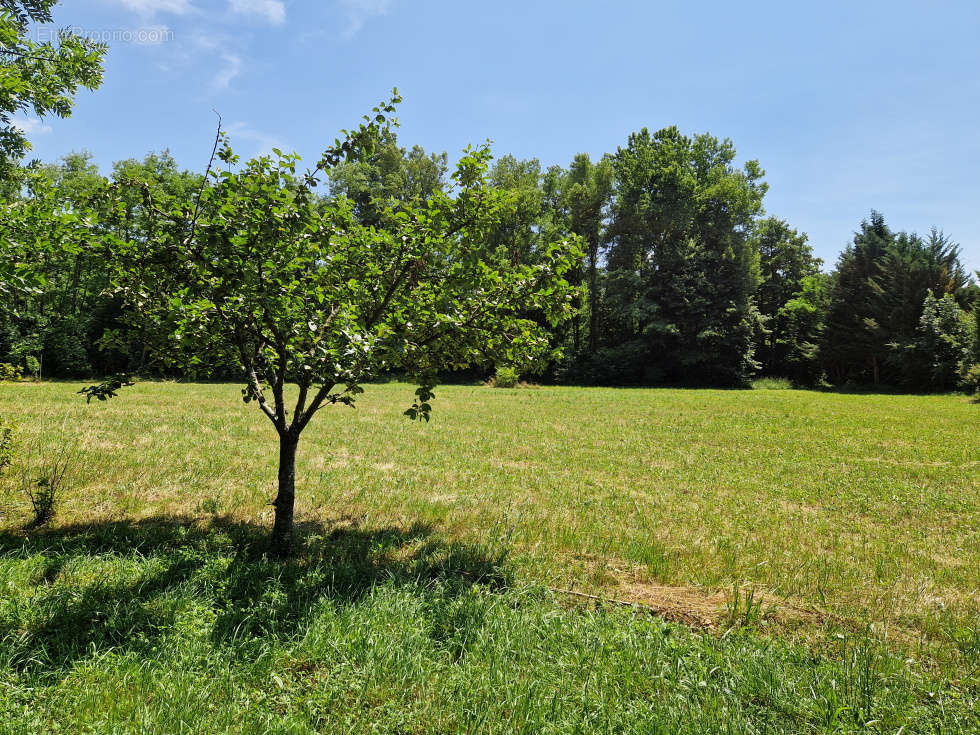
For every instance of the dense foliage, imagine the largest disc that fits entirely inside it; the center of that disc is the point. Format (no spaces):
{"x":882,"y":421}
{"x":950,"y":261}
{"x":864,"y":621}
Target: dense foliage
{"x":683,"y":278}
{"x":38,"y":78}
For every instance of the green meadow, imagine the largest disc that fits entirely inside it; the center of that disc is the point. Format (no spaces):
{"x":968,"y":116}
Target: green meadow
{"x":766,"y":561}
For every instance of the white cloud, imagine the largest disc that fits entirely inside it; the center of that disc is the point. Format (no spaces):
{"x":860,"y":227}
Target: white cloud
{"x":149,"y":8}
{"x":360,"y":11}
{"x":212,"y":58}
{"x":264,"y":142}
{"x":30,"y":125}
{"x":232,"y":68}
{"x":274,"y":11}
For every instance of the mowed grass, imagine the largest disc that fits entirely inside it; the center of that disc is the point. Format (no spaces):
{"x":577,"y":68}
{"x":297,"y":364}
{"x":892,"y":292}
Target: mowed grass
{"x":419,"y":600}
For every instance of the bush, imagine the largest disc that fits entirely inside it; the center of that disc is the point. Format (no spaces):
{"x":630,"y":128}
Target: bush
{"x":971,"y":379}
{"x":10,"y":372}
{"x":43,"y":501}
{"x":33,"y":366}
{"x":506,"y":377}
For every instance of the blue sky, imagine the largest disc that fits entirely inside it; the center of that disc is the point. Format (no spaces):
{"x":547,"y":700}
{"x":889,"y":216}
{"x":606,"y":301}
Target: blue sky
{"x":848,"y":106}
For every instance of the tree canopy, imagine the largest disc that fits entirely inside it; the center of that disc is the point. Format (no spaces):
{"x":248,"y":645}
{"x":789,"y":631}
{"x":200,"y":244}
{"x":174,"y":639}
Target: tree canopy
{"x":297,"y":289}
{"x":38,"y":78}
{"x":682,"y":268}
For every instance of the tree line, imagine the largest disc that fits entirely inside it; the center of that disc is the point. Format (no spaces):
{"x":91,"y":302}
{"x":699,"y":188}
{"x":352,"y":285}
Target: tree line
{"x":683,"y":278}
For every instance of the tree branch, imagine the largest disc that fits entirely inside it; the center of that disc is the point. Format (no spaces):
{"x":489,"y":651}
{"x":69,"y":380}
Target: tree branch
{"x":204,"y":183}
{"x":26,"y":55}
{"x":315,"y":406}
{"x":304,"y":389}
{"x":260,"y":397}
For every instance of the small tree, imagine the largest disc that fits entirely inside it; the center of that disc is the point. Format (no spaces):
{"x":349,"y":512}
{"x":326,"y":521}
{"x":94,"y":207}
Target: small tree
{"x":298,"y":291}
{"x":940,"y":347}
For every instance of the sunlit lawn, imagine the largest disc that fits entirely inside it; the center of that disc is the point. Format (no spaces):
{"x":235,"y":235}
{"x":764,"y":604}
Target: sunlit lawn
{"x":853,"y":516}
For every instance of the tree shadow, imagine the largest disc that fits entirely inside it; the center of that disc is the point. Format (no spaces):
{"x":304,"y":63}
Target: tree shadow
{"x":124,"y":585}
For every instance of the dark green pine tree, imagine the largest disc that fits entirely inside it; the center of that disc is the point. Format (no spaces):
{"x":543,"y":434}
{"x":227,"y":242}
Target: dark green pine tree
{"x":853,"y":346}
{"x":883,"y":280}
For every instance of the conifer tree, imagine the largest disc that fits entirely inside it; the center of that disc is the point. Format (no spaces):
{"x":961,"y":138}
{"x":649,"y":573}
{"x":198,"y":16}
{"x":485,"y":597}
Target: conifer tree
{"x":853,"y":347}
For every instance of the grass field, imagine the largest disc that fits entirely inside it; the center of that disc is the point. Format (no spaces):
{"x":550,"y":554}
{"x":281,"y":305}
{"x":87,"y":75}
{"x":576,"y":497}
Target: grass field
{"x":429,"y":595}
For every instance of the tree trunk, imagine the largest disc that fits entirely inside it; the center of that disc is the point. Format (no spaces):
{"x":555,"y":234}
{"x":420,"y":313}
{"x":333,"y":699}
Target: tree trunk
{"x":282,"y":529}
{"x":575,"y":325}
{"x":593,"y":296}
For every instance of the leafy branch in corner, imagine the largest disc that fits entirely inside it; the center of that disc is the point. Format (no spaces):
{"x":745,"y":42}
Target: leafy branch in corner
{"x":107,"y":388}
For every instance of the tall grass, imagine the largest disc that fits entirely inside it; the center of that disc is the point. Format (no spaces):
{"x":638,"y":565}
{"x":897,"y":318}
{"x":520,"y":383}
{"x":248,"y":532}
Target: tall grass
{"x":167,"y":626}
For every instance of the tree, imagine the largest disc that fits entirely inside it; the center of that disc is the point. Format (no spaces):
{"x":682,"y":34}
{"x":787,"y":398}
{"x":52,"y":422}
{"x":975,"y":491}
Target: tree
{"x":852,"y":345}
{"x":937,"y":352}
{"x":579,"y":200}
{"x":975,"y":344}
{"x":38,"y":78}
{"x":800,"y":322}
{"x":301,"y":293}
{"x":785,"y":261}
{"x":390,"y":173}
{"x":882,"y":282}
{"x":519,"y":221}
{"x":38,"y":236}
{"x":682,"y":269}
{"x":68,"y":319}
{"x":50,"y":322}
{"x":911,"y":270}
{"x":119,"y":344}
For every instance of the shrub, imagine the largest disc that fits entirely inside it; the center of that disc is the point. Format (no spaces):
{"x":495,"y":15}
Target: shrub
{"x":43,"y":500}
{"x":10,"y":372}
{"x":506,"y":377}
{"x":33,"y":366}
{"x":971,"y":379}
{"x":43,"y":482}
